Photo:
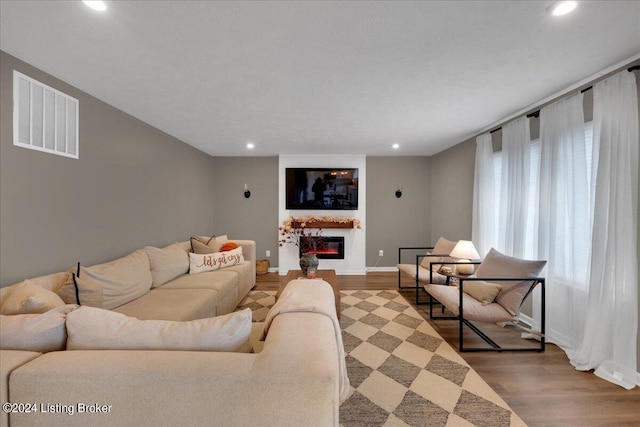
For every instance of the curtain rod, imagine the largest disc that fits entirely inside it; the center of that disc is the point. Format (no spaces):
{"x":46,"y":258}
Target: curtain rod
{"x":537,"y":112}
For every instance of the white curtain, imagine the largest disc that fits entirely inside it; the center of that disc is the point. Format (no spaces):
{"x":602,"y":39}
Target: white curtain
{"x":484,"y":197}
{"x":610,"y":333}
{"x":564,"y":221}
{"x":514,"y":183}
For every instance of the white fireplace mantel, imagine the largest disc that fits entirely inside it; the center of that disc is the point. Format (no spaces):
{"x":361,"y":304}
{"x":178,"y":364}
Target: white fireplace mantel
{"x":354,"y":238}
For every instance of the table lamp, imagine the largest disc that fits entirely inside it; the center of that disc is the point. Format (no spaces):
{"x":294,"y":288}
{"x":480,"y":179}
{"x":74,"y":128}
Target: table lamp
{"x":465,"y":251}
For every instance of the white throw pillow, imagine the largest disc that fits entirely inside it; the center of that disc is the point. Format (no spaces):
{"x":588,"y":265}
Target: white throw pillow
{"x":209,"y":262}
{"x":27,"y":298}
{"x":167,"y":263}
{"x":92,"y":328}
{"x":35,"y":332}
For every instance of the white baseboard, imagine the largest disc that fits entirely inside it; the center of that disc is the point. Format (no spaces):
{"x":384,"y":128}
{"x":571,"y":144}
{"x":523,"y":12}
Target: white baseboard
{"x":526,"y":319}
{"x":348,"y":272}
{"x":383,"y":269}
{"x":338,"y":272}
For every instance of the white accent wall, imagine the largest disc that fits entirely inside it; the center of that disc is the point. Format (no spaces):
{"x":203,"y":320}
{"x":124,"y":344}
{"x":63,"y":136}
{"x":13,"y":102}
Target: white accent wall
{"x":354,"y":239}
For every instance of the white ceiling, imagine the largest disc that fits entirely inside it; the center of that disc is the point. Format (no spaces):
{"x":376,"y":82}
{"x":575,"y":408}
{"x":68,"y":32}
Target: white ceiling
{"x":320,"y":77}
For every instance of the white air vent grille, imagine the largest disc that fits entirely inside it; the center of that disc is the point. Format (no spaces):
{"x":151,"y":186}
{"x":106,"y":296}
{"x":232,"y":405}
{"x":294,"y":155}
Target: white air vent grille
{"x":44,"y":119}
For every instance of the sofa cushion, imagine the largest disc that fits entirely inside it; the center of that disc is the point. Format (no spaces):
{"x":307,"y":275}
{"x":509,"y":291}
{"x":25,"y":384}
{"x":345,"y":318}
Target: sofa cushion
{"x":121,"y":280}
{"x":208,"y":262}
{"x":51,"y":282}
{"x":496,"y":264}
{"x":167,"y":263}
{"x":246,"y":276}
{"x":27,"y":298}
{"x":214,"y":243}
{"x":197,"y":247}
{"x":9,"y":361}
{"x":172,"y":304}
{"x":81,"y":292}
{"x":35,"y":332}
{"x":219,"y":280}
{"x":224,"y":282}
{"x":97,"y":329}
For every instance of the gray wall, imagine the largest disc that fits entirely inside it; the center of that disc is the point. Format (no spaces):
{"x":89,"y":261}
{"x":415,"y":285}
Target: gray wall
{"x":451,"y":195}
{"x":255,"y":218}
{"x":393,"y":222}
{"x":132,"y":186}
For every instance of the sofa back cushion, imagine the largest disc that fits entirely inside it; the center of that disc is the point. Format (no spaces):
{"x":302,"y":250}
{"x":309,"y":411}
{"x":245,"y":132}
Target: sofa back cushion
{"x":35,"y":332}
{"x":95,"y":329}
{"x":111,"y":284}
{"x":28,"y":298}
{"x":81,"y":292}
{"x":167,"y":263}
{"x":51,"y":282}
{"x":497,"y":264}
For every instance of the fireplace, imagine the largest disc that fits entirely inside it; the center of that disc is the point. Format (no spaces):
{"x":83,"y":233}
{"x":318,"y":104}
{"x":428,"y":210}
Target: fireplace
{"x":333,"y":248}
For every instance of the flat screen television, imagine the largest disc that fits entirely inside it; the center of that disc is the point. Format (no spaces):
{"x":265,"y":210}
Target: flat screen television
{"x":322,"y":188}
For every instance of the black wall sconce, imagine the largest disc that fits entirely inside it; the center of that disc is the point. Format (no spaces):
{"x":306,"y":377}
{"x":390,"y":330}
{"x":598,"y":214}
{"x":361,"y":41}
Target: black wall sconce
{"x":247,"y":193}
{"x":399,"y":191}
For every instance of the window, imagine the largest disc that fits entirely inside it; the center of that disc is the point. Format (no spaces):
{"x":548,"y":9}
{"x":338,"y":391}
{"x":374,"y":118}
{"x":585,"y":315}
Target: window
{"x":579,"y":277}
{"x":44,"y":118}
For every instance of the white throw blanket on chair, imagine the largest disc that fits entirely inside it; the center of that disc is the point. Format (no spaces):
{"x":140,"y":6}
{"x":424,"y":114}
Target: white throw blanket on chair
{"x":312,"y":296}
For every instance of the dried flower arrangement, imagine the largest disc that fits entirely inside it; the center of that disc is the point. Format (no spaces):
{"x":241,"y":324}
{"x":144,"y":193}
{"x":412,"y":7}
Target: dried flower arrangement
{"x":309,"y":221}
{"x":309,"y":242}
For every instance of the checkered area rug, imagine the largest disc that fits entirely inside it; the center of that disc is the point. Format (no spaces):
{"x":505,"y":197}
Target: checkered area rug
{"x":402,"y":372}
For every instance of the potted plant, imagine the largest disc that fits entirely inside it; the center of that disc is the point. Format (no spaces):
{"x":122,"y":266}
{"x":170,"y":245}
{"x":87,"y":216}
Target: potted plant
{"x":309,"y":243}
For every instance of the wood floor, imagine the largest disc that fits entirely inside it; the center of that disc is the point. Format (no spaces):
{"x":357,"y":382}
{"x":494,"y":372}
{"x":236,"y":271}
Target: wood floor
{"x":542,"y":388}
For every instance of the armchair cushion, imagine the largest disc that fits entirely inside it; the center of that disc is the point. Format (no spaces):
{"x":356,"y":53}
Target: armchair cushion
{"x":423,"y":273}
{"x":442,"y":247}
{"x":485,"y":292}
{"x":473,"y":309}
{"x":496,"y":264}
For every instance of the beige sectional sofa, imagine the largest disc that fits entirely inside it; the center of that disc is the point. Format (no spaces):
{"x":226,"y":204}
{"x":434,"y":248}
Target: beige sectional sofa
{"x":294,"y":377}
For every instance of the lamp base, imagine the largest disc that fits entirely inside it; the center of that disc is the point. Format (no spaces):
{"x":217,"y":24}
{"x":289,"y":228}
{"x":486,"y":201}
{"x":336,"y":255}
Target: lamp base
{"x":466,"y":269}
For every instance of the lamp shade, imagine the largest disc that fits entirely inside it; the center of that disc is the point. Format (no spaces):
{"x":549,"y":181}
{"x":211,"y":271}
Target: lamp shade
{"x":464,"y":249}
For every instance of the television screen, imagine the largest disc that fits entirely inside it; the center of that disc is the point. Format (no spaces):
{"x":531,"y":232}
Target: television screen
{"x":322,"y":188}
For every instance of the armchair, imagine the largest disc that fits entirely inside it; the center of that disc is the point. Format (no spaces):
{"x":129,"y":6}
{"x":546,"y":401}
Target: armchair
{"x":424,"y":270}
{"x":494,"y":295}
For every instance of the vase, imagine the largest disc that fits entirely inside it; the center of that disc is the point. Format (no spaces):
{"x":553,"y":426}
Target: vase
{"x":309,"y":264}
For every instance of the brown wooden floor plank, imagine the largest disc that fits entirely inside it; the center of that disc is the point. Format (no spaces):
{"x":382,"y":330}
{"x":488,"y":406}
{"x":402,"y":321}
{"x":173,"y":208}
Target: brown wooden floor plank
{"x":542,"y":388}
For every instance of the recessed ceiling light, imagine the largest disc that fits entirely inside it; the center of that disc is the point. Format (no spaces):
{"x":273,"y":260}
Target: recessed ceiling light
{"x":250,"y":146}
{"x":395,"y":146}
{"x":96,"y":5}
{"x":559,"y":8}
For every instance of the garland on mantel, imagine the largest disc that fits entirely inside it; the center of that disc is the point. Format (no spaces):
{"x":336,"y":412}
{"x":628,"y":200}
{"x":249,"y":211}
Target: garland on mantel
{"x":304,"y":221}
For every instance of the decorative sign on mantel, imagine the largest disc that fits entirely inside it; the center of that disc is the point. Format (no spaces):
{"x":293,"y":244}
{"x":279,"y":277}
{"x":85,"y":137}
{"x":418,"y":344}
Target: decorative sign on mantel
{"x":321,"y":222}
